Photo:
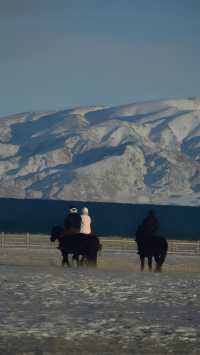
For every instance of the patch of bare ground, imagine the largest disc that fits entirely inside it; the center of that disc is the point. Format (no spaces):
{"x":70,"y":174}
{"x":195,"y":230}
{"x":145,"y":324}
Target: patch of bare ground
{"x":114,"y":309}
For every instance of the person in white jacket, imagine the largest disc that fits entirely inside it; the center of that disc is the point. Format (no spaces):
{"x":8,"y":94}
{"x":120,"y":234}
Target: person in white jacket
{"x":86,"y":221}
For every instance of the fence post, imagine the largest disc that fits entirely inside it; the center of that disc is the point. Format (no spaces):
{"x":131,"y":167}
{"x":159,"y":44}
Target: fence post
{"x":2,"y":240}
{"x":27,"y":239}
{"x":198,"y":247}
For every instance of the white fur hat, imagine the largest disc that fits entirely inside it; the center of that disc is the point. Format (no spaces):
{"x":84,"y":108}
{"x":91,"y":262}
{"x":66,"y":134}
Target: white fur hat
{"x":85,"y":210}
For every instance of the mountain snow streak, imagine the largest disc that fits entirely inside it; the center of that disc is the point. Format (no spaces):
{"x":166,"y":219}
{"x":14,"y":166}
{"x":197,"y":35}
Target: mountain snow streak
{"x":144,"y":152}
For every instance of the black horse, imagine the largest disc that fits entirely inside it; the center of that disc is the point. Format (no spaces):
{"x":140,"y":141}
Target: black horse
{"x":150,"y":246}
{"x":78,"y":245}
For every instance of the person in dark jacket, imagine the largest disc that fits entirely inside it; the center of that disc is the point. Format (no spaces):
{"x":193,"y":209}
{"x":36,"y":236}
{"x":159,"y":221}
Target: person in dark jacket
{"x":151,"y":225}
{"x":72,"y":222}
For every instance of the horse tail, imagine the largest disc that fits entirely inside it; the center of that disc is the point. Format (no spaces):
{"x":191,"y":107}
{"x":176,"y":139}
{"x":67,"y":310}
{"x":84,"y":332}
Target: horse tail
{"x":98,"y":245}
{"x":160,"y":258}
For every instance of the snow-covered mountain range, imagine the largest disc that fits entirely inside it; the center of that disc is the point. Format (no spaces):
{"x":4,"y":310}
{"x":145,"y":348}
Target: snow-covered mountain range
{"x":142,"y":152}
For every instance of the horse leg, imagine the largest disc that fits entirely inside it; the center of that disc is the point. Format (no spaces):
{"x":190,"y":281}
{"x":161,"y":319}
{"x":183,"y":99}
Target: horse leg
{"x":92,"y":259}
{"x":142,"y":263}
{"x":65,"y":259}
{"x":150,"y":263}
{"x":158,"y":263}
{"x":77,"y":261}
{"x":158,"y":267}
{"x":75,"y":257}
{"x":83,"y":260}
{"x":94,"y":262}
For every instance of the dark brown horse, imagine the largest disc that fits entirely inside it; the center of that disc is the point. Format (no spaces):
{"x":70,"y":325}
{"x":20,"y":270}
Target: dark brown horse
{"x":151,"y":246}
{"x":79,"y":245}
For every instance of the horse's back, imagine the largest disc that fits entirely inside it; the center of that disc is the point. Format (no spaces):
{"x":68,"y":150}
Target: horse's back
{"x":150,"y":246}
{"x":80,"y":243}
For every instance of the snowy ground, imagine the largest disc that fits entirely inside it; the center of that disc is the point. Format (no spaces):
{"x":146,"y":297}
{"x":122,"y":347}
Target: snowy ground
{"x":47,"y":309}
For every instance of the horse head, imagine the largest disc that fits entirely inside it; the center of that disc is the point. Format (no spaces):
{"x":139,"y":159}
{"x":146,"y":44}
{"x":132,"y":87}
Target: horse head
{"x":56,"y":233}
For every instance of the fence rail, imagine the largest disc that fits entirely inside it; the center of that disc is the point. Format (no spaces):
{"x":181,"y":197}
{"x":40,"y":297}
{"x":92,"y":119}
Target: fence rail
{"x":111,"y":244}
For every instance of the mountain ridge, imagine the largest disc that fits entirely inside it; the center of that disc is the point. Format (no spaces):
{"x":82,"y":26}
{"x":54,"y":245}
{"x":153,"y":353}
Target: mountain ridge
{"x":147,"y":152}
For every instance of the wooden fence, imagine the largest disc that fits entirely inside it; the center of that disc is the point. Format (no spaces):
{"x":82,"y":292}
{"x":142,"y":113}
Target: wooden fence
{"x":109,"y":244}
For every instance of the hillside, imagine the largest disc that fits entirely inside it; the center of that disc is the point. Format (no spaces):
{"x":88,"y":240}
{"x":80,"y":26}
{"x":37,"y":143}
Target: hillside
{"x":139,"y":153}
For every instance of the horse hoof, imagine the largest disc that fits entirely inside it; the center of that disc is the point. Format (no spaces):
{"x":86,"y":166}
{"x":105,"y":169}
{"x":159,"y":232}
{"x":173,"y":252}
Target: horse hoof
{"x":158,"y":270}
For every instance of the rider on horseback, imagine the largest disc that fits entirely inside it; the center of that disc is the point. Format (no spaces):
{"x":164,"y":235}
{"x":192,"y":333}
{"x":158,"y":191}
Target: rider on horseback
{"x":72,"y":224}
{"x":150,"y":244}
{"x":151,"y":225}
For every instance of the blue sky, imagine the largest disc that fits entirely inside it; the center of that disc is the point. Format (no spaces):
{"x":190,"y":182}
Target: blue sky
{"x":58,"y":53}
